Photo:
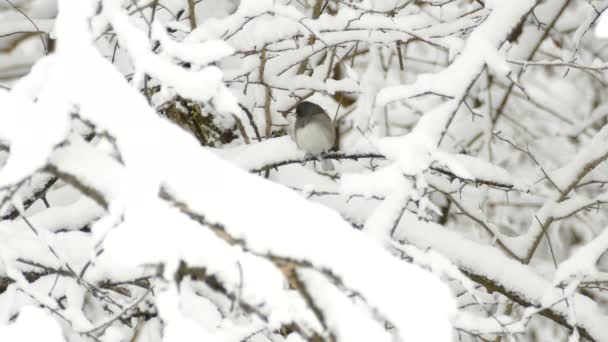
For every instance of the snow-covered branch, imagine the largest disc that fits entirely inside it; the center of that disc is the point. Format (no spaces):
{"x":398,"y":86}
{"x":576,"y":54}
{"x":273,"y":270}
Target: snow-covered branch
{"x":151,"y":186}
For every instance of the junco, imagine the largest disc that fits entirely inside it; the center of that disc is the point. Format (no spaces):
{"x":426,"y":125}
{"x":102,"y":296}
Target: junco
{"x":314,"y":132}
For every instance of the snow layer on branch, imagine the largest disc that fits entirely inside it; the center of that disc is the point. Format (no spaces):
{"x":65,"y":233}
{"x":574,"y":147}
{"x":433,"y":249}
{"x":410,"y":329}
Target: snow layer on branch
{"x":312,"y":237}
{"x":455,"y":81}
{"x":266,"y":217}
{"x":30,"y":144}
{"x":200,"y":85}
{"x":261,"y":284}
{"x":330,"y":86}
{"x":245,"y":32}
{"x":334,"y":305}
{"x":566,"y":179}
{"x":32,"y":324}
{"x":365,"y":113}
{"x":476,"y":169}
{"x":594,"y":152}
{"x":582,"y":263}
{"x":497,"y":324}
{"x":178,"y":326}
{"x":260,"y":154}
{"x":270,"y":220}
{"x":520,"y":280}
{"x":256,"y":35}
{"x":601,"y":29}
{"x":380,"y":183}
{"x":198,"y":53}
{"x":69,"y":160}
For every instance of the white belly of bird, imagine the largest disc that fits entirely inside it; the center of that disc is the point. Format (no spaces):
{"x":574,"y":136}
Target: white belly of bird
{"x":313,"y":138}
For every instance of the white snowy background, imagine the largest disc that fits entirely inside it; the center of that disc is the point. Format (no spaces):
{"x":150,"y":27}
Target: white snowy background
{"x":150,"y":190}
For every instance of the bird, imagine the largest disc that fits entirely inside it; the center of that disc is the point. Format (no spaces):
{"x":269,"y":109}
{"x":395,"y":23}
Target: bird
{"x":314,"y":132}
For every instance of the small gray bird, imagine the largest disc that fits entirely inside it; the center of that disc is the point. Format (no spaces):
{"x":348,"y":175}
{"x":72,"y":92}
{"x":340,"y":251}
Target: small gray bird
{"x":314,"y":132}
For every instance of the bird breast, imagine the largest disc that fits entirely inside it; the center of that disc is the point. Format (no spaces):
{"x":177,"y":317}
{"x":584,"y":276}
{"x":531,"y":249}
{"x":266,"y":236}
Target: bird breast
{"x":314,"y":138}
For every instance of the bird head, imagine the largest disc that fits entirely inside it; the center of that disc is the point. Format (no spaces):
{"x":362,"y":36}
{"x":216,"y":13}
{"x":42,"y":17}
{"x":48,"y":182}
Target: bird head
{"x":308,"y":108}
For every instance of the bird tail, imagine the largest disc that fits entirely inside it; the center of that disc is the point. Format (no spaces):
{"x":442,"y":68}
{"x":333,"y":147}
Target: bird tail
{"x":327,"y":165}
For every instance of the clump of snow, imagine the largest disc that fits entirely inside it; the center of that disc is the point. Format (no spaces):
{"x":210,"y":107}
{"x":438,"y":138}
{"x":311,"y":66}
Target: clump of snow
{"x":46,"y":327}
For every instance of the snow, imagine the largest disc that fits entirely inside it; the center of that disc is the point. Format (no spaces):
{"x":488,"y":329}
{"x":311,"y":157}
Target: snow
{"x":335,"y":305}
{"x":470,"y":168}
{"x":257,"y":155}
{"x":297,"y":239}
{"x":198,"y":53}
{"x":595,"y":13}
{"x":479,"y":51}
{"x":430,"y":227}
{"x":47,"y":328}
{"x":178,"y":327}
{"x":582,"y":263}
{"x":30,"y":151}
{"x":516,"y":278}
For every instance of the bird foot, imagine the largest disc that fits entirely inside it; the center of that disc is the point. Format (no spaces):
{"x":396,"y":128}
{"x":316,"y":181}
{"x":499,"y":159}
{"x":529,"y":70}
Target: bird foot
{"x":307,"y":158}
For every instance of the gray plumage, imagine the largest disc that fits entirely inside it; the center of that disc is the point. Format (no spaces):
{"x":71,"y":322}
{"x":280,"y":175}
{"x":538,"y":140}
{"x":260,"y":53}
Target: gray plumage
{"x":314,"y":132}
